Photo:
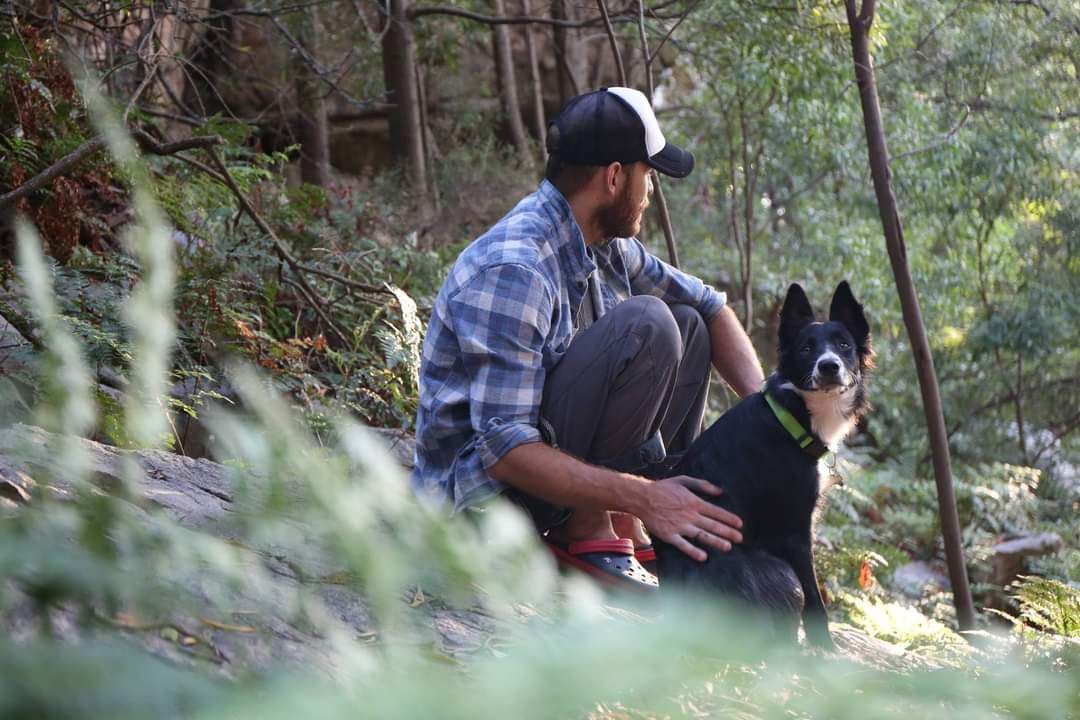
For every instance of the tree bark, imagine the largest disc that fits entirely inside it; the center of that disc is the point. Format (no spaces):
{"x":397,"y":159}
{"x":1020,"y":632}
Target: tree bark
{"x":538,"y":120}
{"x":311,"y":106}
{"x":399,"y":72}
{"x":859,"y":23}
{"x":507,"y":85}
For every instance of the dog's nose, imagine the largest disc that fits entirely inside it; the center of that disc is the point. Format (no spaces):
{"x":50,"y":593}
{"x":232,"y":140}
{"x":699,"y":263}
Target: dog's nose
{"x":828,"y":367}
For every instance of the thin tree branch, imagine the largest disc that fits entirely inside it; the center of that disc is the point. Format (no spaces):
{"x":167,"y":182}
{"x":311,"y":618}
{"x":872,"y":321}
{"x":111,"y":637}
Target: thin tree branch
{"x":148,"y":144}
{"x":61,"y":167}
{"x":645,"y":56}
{"x":937,"y":143}
{"x":613,"y":40}
{"x":345,"y":281}
{"x":671,"y":31}
{"x":419,"y":11}
{"x":310,"y":294}
{"x":70,"y":161}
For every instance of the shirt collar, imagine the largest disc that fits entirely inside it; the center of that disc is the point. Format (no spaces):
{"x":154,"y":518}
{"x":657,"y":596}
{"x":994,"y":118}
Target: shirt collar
{"x":568,"y":242}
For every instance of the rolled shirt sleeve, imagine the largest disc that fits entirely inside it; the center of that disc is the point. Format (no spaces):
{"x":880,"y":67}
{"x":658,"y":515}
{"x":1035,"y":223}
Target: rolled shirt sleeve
{"x":649,"y":275}
{"x":501,"y":318}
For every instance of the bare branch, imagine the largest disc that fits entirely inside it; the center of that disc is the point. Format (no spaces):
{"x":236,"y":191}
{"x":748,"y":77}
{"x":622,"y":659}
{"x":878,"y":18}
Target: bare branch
{"x":671,"y":31}
{"x":61,"y":167}
{"x":363,"y":287}
{"x":419,"y":11}
{"x":70,"y":161}
{"x":937,"y":143}
{"x":148,"y":144}
{"x":614,"y":42}
{"x":980,"y":104}
{"x":310,"y":294}
{"x":645,"y":56}
{"x":423,"y":10}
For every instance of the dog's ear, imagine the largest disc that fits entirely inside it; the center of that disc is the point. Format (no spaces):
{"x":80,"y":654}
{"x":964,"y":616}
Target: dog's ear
{"x":794,"y":315}
{"x":847,"y":311}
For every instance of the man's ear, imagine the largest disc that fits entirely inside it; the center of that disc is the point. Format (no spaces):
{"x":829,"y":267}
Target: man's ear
{"x":794,"y":315}
{"x":847,"y":311}
{"x":614,"y":174}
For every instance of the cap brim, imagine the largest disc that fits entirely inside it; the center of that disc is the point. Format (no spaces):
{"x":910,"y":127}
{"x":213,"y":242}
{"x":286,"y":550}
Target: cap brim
{"x":673,"y":161}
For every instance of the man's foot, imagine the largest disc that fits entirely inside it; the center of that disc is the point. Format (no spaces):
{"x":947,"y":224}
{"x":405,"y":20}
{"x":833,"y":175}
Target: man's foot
{"x":628,"y":526}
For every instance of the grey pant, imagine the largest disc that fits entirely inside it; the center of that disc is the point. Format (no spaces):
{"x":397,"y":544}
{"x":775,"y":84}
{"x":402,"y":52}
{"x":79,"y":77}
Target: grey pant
{"x":629,"y":393}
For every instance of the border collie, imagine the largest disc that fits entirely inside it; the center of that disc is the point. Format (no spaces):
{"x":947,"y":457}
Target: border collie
{"x":766,"y":453}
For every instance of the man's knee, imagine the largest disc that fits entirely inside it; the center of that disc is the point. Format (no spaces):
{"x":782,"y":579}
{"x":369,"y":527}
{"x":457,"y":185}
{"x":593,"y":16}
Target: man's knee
{"x":688,"y":319}
{"x":652,"y":319}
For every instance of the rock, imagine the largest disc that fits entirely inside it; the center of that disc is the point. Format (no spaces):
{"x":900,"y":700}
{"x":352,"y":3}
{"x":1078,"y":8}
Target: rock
{"x":14,"y":348}
{"x":400,"y":443}
{"x":199,"y":494}
{"x":1027,"y":545}
{"x":913,"y":579}
{"x":17,"y":364}
{"x":872,"y":652}
{"x":1007,"y":561}
{"x":14,"y":487}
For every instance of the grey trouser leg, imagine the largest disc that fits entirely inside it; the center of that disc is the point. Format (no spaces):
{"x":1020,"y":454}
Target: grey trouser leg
{"x":640,"y":370}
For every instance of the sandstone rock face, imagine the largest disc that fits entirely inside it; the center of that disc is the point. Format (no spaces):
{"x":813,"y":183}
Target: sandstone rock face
{"x":199,"y":494}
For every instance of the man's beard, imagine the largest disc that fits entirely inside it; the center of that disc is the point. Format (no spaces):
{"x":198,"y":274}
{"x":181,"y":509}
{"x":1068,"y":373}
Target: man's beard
{"x":618,"y":219}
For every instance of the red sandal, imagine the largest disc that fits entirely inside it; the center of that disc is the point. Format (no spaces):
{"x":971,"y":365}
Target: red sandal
{"x":612,"y":562}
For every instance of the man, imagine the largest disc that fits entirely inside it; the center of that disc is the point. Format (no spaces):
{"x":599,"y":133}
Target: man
{"x":564,"y":365}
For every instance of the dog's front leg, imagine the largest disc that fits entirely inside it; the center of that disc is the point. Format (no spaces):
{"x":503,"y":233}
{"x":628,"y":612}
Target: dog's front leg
{"x":799,"y":553}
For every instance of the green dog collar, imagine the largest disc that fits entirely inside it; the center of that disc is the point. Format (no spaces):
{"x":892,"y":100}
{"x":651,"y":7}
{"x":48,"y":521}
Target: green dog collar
{"x":808,"y":441}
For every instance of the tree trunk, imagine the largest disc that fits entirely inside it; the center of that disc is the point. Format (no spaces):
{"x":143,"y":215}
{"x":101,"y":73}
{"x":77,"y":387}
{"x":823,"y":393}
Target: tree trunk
{"x":399,"y":72}
{"x":568,"y":51}
{"x":311,"y":105}
{"x":507,"y":85}
{"x":859,"y":23}
{"x":749,"y":168}
{"x":538,"y":120}
{"x":1019,"y":407}
{"x":430,"y":149}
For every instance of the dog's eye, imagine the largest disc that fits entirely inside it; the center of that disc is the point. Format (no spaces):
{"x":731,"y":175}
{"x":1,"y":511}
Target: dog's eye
{"x":844,"y":345}
{"x":805,"y":349}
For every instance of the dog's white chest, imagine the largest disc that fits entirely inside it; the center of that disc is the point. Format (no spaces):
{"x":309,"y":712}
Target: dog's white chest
{"x":831,"y":414}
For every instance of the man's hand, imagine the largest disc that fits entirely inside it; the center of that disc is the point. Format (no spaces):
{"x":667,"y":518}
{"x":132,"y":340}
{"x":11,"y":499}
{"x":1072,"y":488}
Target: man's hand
{"x":676,"y":515}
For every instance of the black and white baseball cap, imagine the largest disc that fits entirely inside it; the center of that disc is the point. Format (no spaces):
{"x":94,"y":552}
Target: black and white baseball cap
{"x":614,"y":124}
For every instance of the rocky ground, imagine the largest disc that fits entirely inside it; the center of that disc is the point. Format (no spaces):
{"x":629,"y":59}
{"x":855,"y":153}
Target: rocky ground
{"x":198,"y":494}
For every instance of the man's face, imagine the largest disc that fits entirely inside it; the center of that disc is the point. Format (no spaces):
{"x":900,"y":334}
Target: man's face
{"x":622,"y":218}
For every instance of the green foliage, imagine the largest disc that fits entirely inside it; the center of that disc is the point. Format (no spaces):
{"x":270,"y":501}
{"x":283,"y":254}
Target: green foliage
{"x":986,"y":179}
{"x":1049,"y":605}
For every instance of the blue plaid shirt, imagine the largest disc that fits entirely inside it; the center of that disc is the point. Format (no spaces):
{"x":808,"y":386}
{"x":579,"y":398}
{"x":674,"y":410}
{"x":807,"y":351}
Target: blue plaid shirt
{"x":502,"y":320}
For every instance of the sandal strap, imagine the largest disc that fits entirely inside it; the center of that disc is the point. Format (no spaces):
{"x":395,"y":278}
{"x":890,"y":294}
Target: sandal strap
{"x":620,"y":546}
{"x":645,"y":554}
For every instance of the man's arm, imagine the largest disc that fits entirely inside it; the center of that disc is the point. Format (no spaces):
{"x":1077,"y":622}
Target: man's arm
{"x":668,"y":508}
{"x":733,"y":355}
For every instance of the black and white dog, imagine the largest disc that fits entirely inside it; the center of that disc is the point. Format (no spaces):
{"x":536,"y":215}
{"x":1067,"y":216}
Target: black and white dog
{"x":766,"y":453}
